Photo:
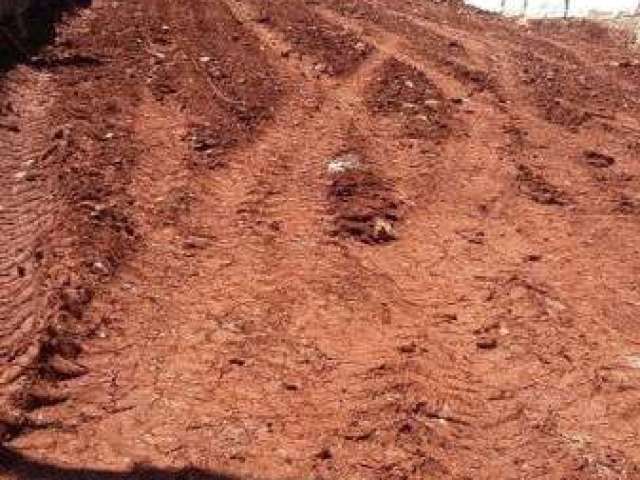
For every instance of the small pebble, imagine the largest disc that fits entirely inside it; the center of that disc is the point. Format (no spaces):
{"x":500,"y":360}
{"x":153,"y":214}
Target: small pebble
{"x":292,"y":387}
{"x":324,"y":454}
{"x":487,"y":343}
{"x":195,"y":242}
{"x":28,"y":176}
{"x":407,"y":348}
{"x":100,"y":268}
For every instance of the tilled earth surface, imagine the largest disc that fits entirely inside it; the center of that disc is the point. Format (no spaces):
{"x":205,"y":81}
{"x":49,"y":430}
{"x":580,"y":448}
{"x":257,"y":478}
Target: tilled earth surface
{"x":329,"y":239}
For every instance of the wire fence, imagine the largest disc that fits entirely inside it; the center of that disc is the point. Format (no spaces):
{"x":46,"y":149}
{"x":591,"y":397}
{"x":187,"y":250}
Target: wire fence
{"x":560,"y":8}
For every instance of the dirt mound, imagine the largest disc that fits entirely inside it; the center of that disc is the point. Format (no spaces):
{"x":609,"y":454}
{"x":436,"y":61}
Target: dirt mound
{"x":403,"y":91}
{"x":318,"y":239}
{"x":363,"y":205}
{"x":336,"y":51}
{"x":219,"y":75}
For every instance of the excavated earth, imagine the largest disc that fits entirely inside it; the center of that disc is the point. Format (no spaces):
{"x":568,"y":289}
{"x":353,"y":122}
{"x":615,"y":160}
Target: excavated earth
{"x":319,"y":239}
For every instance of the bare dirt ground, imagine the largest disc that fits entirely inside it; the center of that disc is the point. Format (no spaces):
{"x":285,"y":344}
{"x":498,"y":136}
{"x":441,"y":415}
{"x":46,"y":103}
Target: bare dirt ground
{"x":328,"y":239}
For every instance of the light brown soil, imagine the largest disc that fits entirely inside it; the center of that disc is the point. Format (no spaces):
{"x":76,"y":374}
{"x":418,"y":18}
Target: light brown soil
{"x":329,"y":239}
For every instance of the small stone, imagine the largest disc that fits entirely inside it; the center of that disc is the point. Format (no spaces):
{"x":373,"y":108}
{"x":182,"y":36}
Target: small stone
{"x":98,"y":211}
{"x":25,"y":175}
{"x":361,"y":47}
{"x":360,"y":433}
{"x":597,"y":159}
{"x":205,"y":59}
{"x":100,"y":268}
{"x":324,"y":454}
{"x":195,"y":242}
{"x":633,"y":361}
{"x":320,"y":67}
{"x":383,"y":231}
{"x":238,"y":456}
{"x":343,"y":163}
{"x":487,"y":343}
{"x":292,"y":387}
{"x":449,"y":317}
{"x":407,"y":348}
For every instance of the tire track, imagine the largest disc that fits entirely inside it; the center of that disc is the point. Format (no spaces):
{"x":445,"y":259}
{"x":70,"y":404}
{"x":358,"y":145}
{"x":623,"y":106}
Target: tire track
{"x":396,"y":46}
{"x":483,"y":340}
{"x":26,"y":209}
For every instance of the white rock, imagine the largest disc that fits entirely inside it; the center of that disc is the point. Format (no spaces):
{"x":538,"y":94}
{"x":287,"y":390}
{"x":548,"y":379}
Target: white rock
{"x":343,"y":163}
{"x":99,"y":267}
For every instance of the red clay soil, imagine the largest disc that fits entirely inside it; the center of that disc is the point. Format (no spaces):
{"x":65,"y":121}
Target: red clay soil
{"x":329,"y":239}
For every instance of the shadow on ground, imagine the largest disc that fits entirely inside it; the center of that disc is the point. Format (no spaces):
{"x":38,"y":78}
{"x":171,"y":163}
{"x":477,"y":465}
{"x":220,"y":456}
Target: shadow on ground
{"x":24,"y":468}
{"x":40,"y":21}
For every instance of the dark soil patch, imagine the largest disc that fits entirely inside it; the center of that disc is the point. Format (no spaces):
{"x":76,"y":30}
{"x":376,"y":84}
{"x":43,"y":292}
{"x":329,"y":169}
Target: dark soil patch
{"x":439,"y":47}
{"x":597,"y":159}
{"x":89,"y":162}
{"x":537,"y":188}
{"x":337,"y":51}
{"x":569,"y":95}
{"x":202,"y":57}
{"x":402,"y":91}
{"x":478,"y":79}
{"x":364,"y":207}
{"x":448,"y":52}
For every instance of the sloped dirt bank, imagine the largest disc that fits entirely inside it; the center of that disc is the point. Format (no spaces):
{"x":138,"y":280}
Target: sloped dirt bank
{"x":320,"y":239}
